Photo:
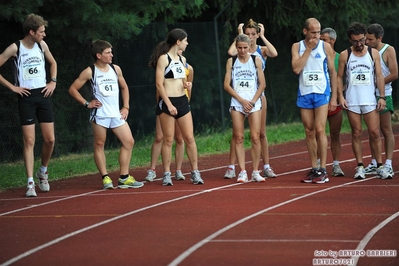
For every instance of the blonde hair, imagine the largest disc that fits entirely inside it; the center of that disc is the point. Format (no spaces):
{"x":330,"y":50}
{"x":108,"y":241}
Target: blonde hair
{"x":252,"y":25}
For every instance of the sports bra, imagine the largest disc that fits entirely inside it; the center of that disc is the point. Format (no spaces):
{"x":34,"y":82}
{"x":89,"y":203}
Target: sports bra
{"x":174,"y":70}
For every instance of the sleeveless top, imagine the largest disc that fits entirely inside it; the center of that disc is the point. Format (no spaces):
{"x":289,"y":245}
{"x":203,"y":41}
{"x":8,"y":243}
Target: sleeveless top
{"x":244,"y":80}
{"x":314,"y":76}
{"x":105,"y":88}
{"x":28,"y":67}
{"x":259,"y":54}
{"x":360,"y":76}
{"x":175,"y":69}
{"x":385,"y":72}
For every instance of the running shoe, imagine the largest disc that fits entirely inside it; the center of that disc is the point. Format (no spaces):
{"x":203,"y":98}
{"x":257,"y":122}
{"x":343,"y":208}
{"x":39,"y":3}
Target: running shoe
{"x":43,"y":181}
{"x":107,"y":183}
{"x":230,"y":173}
{"x":384,"y":172}
{"x":320,"y":177}
{"x":167,"y":179}
{"x":129,"y":182}
{"x":371,"y":169}
{"x":30,"y":190}
{"x":179,"y":175}
{"x":242,"y":177}
{"x":337,"y":171}
{"x":360,"y":173}
{"x":309,"y":177}
{"x":196,"y":178}
{"x":390,"y":172}
{"x":256,"y":177}
{"x":268,"y":172}
{"x":151,"y":175}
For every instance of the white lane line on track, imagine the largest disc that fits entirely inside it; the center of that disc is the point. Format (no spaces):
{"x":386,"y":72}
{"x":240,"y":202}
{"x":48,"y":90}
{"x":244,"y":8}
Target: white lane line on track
{"x":59,"y":239}
{"x":371,"y":233}
{"x":283,"y":240}
{"x":186,"y":253}
{"x":206,"y":240}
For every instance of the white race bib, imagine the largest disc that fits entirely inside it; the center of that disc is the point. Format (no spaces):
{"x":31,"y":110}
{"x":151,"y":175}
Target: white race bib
{"x":108,"y":89}
{"x":313,"y":77}
{"x":32,"y":72}
{"x":178,"y":71}
{"x":243,"y":85}
{"x":360,"y":77}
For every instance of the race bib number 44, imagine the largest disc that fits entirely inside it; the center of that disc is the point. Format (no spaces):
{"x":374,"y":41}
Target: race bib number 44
{"x":244,"y":86}
{"x":313,"y":77}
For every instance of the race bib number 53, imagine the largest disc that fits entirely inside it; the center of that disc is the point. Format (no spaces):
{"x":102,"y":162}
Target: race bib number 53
{"x":313,"y":77}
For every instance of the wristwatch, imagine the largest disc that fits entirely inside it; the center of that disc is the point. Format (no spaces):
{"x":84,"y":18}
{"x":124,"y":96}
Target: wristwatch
{"x":383,"y":97}
{"x":86,"y":104}
{"x":54,"y":80}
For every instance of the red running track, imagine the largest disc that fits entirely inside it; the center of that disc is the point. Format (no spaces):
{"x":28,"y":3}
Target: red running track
{"x":278,"y":222}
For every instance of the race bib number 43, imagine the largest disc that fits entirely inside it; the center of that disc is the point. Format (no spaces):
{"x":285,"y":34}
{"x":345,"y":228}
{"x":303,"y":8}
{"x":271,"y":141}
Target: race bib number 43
{"x":313,"y":77}
{"x":360,"y":77}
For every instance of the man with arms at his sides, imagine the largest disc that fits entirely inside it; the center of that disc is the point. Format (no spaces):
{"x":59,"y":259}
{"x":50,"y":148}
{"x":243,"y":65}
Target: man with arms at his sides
{"x":311,"y":60}
{"x":329,"y":36}
{"x":28,"y":58}
{"x":389,"y":67}
{"x":362,"y":68}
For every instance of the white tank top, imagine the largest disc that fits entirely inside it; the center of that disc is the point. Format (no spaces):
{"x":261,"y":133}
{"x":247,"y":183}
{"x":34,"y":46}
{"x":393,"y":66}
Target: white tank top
{"x":105,"y":88}
{"x":385,"y":72}
{"x":244,"y":80}
{"x":360,"y":76}
{"x":29,"y":67}
{"x":314,"y":76}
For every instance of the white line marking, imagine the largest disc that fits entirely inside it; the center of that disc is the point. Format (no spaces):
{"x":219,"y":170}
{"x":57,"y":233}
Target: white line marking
{"x":371,"y":233}
{"x":195,"y":247}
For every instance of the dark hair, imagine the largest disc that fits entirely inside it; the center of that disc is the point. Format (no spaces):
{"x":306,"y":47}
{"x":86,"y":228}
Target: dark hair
{"x":164,"y":46}
{"x":376,"y":29}
{"x":98,"y":46}
{"x":33,"y":22}
{"x":356,"y":28}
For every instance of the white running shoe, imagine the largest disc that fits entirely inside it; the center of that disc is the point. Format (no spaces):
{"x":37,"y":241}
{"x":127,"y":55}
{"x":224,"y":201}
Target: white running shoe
{"x":268,"y":172}
{"x":360,"y":173}
{"x":256,"y":177}
{"x":230,"y":173}
{"x":179,"y":175}
{"x":151,"y":175}
{"x":242,"y":177}
{"x":30,"y":190}
{"x":43,"y":181}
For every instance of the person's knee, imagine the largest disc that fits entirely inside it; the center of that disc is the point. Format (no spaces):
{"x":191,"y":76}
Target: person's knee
{"x":238,"y":139}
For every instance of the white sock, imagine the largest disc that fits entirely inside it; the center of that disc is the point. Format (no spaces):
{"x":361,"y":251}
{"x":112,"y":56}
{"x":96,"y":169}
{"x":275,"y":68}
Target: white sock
{"x":43,"y":169}
{"x":30,"y":179}
{"x":373,"y":162}
{"x":388,"y":162}
{"x":335,"y":162}
{"x":266,"y":166}
{"x":232,"y":166}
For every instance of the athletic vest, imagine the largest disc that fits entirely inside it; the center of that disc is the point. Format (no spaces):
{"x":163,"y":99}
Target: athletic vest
{"x":258,"y":53}
{"x":244,"y":79}
{"x":105,"y":88}
{"x":314,"y":76}
{"x":174,"y":70}
{"x":360,"y":79}
{"x":385,"y":72}
{"x":28,"y":67}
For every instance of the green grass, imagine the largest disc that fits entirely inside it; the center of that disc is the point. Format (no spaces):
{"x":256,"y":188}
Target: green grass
{"x":207,"y":144}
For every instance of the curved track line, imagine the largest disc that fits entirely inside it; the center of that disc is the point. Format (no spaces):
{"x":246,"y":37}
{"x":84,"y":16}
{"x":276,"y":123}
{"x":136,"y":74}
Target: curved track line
{"x":195,"y":247}
{"x":59,"y":239}
{"x":371,"y":233}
